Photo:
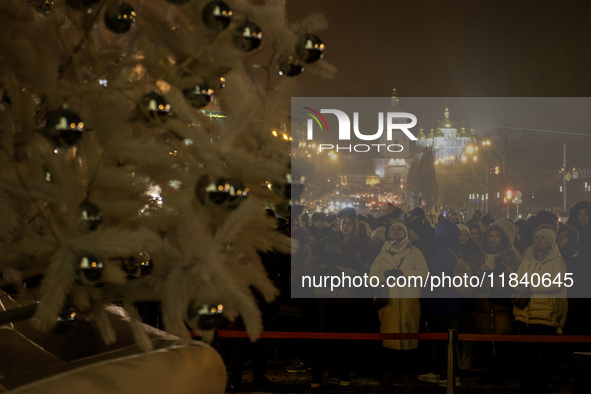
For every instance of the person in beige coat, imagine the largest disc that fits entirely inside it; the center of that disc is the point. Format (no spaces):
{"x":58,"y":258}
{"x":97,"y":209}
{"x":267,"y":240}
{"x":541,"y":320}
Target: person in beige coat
{"x":545,"y":312}
{"x":399,"y":260}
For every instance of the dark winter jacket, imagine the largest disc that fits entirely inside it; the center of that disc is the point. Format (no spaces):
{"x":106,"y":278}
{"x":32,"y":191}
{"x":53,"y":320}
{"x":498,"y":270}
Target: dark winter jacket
{"x":447,"y":243}
{"x":492,"y":310}
{"x":584,"y":245}
{"x":575,"y":264}
{"x":468,"y":250}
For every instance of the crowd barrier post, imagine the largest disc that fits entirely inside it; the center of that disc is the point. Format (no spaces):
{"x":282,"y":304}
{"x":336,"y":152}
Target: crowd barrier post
{"x":452,"y":336}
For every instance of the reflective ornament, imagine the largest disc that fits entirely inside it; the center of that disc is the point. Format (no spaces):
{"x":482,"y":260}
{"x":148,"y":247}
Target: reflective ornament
{"x":227,"y":194}
{"x":47,"y":174}
{"x":91,"y":214}
{"x":146,"y":264}
{"x":288,"y":66}
{"x":44,"y":6}
{"x":153,"y":107}
{"x":309,"y":48}
{"x":64,"y":127}
{"x":89,"y":270}
{"x":247,"y":36}
{"x":81,"y":5}
{"x":65,"y":321}
{"x":138,"y":265}
{"x":204,"y":317}
{"x":199,"y":95}
{"x":120,"y":19}
{"x":216,"y":15}
{"x":131,"y":266}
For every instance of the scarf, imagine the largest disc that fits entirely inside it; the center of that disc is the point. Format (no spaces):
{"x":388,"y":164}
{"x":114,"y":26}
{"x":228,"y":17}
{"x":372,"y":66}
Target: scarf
{"x":395,"y":247}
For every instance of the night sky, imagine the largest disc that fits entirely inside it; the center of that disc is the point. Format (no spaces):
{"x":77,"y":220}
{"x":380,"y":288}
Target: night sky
{"x":468,"y":49}
{"x":452,"y":48}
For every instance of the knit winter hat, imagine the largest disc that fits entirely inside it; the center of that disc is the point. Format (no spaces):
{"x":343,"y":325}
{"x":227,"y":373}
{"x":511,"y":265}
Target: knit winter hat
{"x":401,"y":225}
{"x":548,"y":234}
{"x":379,"y":233}
{"x":463,"y":227}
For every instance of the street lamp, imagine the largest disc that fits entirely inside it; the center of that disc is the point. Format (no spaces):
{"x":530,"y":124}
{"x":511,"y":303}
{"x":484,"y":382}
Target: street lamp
{"x":509,"y":194}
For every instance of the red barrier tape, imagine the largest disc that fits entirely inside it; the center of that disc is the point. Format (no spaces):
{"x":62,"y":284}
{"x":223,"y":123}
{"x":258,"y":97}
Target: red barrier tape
{"x":525,"y":338}
{"x":331,"y":335}
{"x":419,"y":336}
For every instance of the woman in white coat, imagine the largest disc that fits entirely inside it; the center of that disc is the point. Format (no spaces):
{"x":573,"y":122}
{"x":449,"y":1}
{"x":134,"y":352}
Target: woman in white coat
{"x":400,"y":262}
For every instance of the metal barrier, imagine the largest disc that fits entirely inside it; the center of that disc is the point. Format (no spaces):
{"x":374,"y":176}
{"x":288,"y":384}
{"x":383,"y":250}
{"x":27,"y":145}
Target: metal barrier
{"x":452,"y":337}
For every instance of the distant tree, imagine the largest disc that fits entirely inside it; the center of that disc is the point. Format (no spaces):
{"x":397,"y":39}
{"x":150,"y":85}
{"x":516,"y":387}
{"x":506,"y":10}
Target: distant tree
{"x":411,"y":182}
{"x":424,"y":178}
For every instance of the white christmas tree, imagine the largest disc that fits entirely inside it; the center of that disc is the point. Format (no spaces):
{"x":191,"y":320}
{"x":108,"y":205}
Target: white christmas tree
{"x":109,"y":164}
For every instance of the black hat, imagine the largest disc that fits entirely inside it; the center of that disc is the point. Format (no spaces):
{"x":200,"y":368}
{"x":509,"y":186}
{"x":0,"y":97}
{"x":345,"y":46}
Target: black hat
{"x":346,"y":211}
{"x":316,"y":216}
{"x":418,"y":212}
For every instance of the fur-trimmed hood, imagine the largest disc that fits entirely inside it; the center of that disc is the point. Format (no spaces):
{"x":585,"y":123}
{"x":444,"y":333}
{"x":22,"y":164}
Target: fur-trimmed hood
{"x":507,"y":230}
{"x":573,"y":214}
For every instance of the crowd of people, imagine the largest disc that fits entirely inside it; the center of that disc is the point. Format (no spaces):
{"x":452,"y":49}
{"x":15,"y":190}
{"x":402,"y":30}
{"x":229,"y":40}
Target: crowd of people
{"x":400,"y":243}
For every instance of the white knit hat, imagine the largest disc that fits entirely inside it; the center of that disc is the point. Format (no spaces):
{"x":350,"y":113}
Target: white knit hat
{"x":463,"y":227}
{"x":548,"y":234}
{"x":399,"y":224}
{"x":379,"y":233}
